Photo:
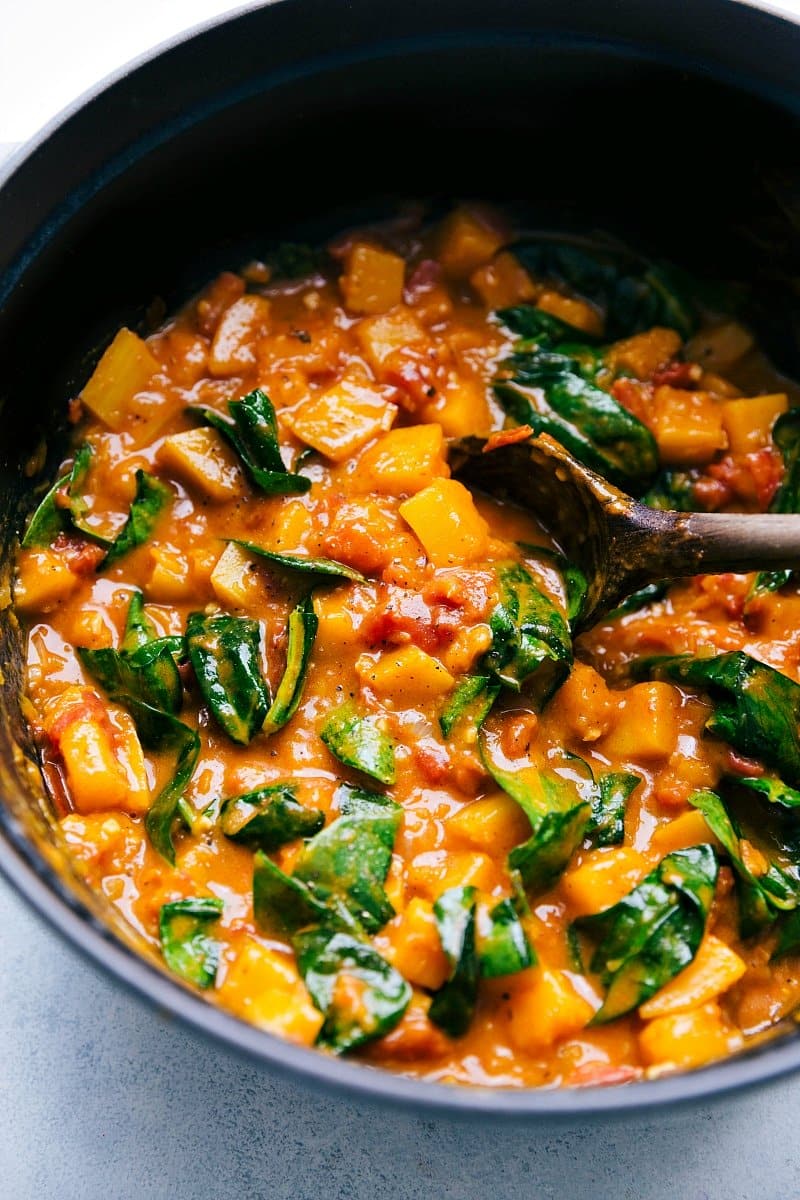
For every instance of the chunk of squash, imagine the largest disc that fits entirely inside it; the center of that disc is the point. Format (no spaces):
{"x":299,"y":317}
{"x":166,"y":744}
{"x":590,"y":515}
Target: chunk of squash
{"x":688,"y":1039}
{"x":380,"y":336}
{"x":233,"y":350}
{"x":101,"y":753}
{"x":342,"y":419}
{"x":647,"y":726}
{"x":503,"y":282}
{"x":43,"y":580}
{"x":202,"y":460}
{"x":404,"y":461}
{"x":126,"y":367}
{"x":415,"y":946}
{"x":447,"y":523}
{"x":578,"y":313}
{"x":264,"y":987}
{"x":407,"y":676}
{"x":373,"y":279}
{"x":545,"y":1009}
{"x":643,"y":353}
{"x":687,"y":426}
{"x":495,"y":823}
{"x":748,"y":422}
{"x":713,"y":970}
{"x":466,"y":240}
{"x":603,"y":877}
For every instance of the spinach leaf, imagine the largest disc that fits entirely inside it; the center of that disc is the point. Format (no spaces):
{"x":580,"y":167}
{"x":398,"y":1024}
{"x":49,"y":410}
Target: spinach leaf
{"x":152,"y":496}
{"x":786,"y":436}
{"x":143,"y":668}
{"x":548,"y":390}
{"x":632,"y":301}
{"x":302,"y":629}
{"x":576,"y":585}
{"x":187,"y":948}
{"x":650,"y":935}
{"x":756,"y":708}
{"x":347,"y":862}
{"x":163,"y":732}
{"x":360,"y":994}
{"x":326,"y":568}
{"x":606,"y":827}
{"x":531,"y":644}
{"x":672,"y":491}
{"x":774,"y":790}
{"x":453,"y":1005}
{"x":268,"y":817}
{"x":503,"y":947}
{"x":537,"y":327}
{"x":62,"y":508}
{"x":650,"y":594}
{"x":359,"y":742}
{"x":253,"y":434}
{"x":224,"y":653}
{"x":760,"y":897}
{"x":469,"y":703}
{"x":558,"y":803}
{"x":293,"y":260}
{"x":284,"y":902}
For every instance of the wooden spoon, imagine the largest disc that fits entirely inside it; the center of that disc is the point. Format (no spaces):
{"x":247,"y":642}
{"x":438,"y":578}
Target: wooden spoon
{"x":619,"y":544}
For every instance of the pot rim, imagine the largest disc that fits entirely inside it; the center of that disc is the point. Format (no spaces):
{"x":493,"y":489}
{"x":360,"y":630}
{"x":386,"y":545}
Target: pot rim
{"x":51,"y":899}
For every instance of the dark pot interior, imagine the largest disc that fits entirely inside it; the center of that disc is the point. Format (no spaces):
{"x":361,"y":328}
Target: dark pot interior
{"x":674,"y":130}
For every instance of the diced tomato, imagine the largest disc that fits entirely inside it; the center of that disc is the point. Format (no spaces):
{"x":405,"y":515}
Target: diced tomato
{"x":678,"y":375}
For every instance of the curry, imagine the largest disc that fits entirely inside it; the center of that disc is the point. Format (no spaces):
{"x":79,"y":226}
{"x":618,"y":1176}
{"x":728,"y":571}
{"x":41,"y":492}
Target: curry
{"x":311,"y":713}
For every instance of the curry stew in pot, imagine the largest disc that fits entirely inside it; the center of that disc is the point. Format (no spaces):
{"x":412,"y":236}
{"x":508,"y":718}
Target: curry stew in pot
{"x":310,"y":712}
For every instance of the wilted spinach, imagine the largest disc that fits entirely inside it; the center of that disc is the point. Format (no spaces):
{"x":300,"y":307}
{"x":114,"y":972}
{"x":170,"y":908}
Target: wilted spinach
{"x":224,"y":653}
{"x":253,"y":434}
{"x":268,"y":817}
{"x":531,"y":644}
{"x":185,"y":943}
{"x":650,"y":935}
{"x":359,"y":742}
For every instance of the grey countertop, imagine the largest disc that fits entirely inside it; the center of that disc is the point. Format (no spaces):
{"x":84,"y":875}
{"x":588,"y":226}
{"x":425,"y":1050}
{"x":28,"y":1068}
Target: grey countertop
{"x":103,"y":1099}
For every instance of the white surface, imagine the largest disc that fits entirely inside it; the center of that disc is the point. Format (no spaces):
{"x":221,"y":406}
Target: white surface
{"x":52,"y":50}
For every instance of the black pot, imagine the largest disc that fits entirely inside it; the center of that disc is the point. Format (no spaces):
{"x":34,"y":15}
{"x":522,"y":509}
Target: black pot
{"x":674,"y":124}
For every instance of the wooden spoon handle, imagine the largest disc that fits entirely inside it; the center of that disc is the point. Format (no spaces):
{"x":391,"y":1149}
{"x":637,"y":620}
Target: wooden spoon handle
{"x":715,"y":542}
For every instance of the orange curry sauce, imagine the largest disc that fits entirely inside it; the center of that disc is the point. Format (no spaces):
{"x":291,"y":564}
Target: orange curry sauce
{"x":372,"y":362}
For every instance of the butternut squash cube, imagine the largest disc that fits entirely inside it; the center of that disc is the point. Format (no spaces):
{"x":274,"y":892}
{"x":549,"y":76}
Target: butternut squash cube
{"x":578,"y":313}
{"x":102,"y":757}
{"x":503,"y":282}
{"x":233,"y":350}
{"x":170,"y":579}
{"x":647,"y":727}
{"x":264,"y":987}
{"x":713,"y":970}
{"x":603,"y":878}
{"x":719,"y":348}
{"x":373,"y":279}
{"x":127,"y":366}
{"x":642,"y":354}
{"x":415,"y":946}
{"x":689,"y":829}
{"x":381,"y":336}
{"x":545,"y":1009}
{"x":237,"y":581}
{"x":407,"y":676}
{"x":43,"y":580}
{"x":462,"y":410}
{"x":404,"y":461}
{"x":687,"y":426}
{"x":495,"y":823}
{"x":434,"y":871}
{"x":466,"y":241}
{"x":342,"y":419}
{"x":584,"y":704}
{"x":202,"y":460}
{"x":688,"y":1039}
{"x":447,"y":523}
{"x":748,"y":422}
{"x":339,"y":627}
